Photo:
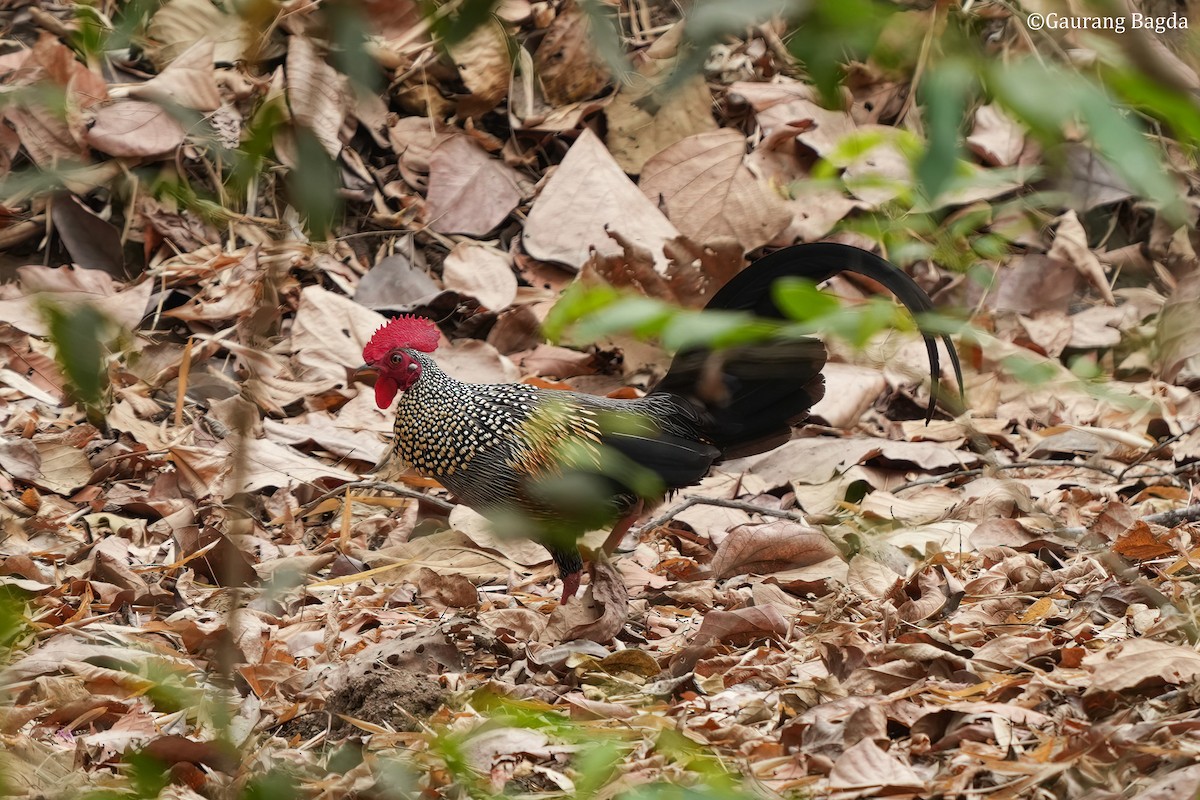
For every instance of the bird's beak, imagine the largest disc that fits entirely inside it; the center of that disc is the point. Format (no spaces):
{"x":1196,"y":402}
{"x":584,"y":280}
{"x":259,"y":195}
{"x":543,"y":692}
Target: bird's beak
{"x":366,"y":374}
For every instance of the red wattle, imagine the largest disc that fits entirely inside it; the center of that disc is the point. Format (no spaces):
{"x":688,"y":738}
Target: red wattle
{"x":385,"y":391}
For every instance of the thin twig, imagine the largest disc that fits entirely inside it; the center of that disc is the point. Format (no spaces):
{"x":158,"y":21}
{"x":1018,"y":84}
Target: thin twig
{"x":382,"y":485}
{"x":1170,"y":519}
{"x":966,"y":473}
{"x":740,"y":505}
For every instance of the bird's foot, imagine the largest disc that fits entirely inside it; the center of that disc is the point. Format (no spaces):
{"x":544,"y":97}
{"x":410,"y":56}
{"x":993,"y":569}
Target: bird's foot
{"x":570,"y":585}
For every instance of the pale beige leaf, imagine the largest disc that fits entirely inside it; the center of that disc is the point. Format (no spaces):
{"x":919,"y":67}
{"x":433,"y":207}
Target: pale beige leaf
{"x":470,"y":191}
{"x":849,"y":391}
{"x":996,"y":138}
{"x":1179,"y":332}
{"x":134,"y":129}
{"x":870,"y":579}
{"x":523,"y":624}
{"x":477,"y":528}
{"x":484,"y":273}
{"x":709,"y":193}
{"x":1176,"y":784}
{"x":189,"y":81}
{"x":881,"y":173}
{"x":180,"y":24}
{"x":587,"y":195}
{"x":1127,"y":665}
{"x":642,"y":123}
{"x":864,"y":766}
{"x":1071,"y":247}
{"x":484,"y":66}
{"x":316,"y":93}
{"x":259,"y":463}
{"x":330,"y":331}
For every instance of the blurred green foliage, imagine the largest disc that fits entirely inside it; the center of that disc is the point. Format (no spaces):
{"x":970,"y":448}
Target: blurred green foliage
{"x":80,"y":336}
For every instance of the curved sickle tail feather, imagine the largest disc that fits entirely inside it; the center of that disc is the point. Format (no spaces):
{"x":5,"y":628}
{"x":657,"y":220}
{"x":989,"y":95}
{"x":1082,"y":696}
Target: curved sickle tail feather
{"x":771,"y":386}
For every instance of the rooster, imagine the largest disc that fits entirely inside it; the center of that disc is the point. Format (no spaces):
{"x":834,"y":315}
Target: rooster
{"x":554,"y":464}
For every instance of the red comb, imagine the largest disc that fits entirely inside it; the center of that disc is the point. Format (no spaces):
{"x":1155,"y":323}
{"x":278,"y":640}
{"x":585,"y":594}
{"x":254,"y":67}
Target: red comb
{"x":415,"y":333}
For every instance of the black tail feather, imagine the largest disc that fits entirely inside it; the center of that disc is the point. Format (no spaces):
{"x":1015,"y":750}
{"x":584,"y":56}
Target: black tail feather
{"x":750,"y":290}
{"x":769,"y":386}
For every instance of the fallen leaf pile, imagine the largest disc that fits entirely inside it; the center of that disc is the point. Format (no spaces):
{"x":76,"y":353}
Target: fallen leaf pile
{"x":203,"y":588}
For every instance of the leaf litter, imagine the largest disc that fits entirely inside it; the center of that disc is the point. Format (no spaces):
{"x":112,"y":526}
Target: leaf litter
{"x":992,"y":605}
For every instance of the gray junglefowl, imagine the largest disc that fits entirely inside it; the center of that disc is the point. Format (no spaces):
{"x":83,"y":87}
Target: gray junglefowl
{"x":552,"y":465}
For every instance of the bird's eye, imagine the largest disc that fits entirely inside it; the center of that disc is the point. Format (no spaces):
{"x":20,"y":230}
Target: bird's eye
{"x":396,"y":358}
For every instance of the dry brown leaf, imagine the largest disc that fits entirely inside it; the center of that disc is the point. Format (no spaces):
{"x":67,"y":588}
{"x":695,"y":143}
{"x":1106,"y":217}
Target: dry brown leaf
{"x":1034,"y":283}
{"x":864,"y":769}
{"x":345,"y":441}
{"x":58,"y":468}
{"x":189,"y":81}
{"x":316,"y":94}
{"x":567,"y":63}
{"x":134,"y":129}
{"x":470,"y":191}
{"x":849,"y":392}
{"x":598,"y":616}
{"x":996,"y":138}
{"x":1141,"y":543}
{"x":561,"y":363}
{"x":413,"y":140}
{"x":482,"y":272}
{"x":483,"y":64}
{"x":775,"y":546}
{"x":587,"y":196}
{"x":90,"y":239}
{"x":641,"y":123}
{"x":1070,"y":247}
{"x":709,"y":193}
{"x":522,"y":624}
{"x":1178,"y":334}
{"x":48,"y":134}
{"x":446,"y":591}
{"x":180,"y":24}
{"x":1141,"y":663}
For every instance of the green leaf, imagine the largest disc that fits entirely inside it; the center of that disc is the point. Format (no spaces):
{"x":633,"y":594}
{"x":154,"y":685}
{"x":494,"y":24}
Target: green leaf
{"x":834,"y":32}
{"x":1046,"y":98}
{"x":1030,"y":371}
{"x":801,"y":300}
{"x":714,"y":329}
{"x":575,"y":303}
{"x":78,"y":335}
{"x":314,"y":185}
{"x":945,"y":90}
{"x":641,"y":316}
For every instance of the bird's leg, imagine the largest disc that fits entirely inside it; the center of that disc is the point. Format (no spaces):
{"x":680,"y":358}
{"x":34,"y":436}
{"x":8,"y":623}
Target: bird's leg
{"x":570,"y":585}
{"x":622,"y":527}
